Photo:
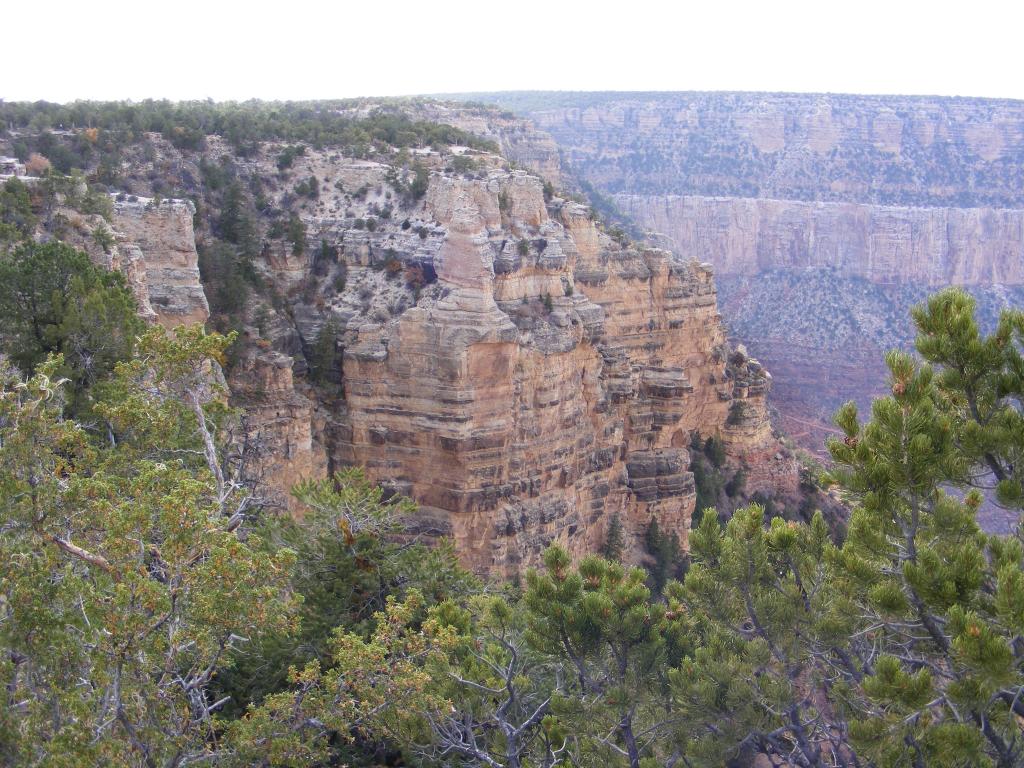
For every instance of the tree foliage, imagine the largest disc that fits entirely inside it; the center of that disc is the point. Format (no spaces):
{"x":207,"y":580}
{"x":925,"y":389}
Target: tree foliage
{"x":131,"y":584}
{"x":54,"y":300}
{"x":154,"y":614}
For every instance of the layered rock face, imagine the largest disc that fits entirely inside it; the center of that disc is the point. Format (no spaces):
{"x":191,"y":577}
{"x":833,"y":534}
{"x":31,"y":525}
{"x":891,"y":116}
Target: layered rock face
{"x":484,"y":347}
{"x":156,"y":249}
{"x":518,"y":139}
{"x":283,"y":424}
{"x":883,"y":244}
{"x":887,"y":150}
{"x":513,"y":424}
{"x":826,"y":216}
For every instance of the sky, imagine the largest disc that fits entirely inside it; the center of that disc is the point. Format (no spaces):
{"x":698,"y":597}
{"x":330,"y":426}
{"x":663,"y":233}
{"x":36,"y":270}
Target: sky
{"x":183,"y":49}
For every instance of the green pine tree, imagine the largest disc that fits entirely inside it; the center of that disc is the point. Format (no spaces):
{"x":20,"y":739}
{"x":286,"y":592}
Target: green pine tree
{"x":323,"y":358}
{"x":614,"y":542}
{"x":54,"y":300}
{"x":941,"y":600}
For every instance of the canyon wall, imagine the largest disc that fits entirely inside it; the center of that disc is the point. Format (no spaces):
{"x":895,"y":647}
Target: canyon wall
{"x":155,"y":247}
{"x":888,"y":150}
{"x":552,"y":381}
{"x":484,"y":346}
{"x":883,"y":244}
{"x":826,"y":216}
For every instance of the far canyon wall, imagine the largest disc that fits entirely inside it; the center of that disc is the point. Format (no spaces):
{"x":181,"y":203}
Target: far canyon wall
{"x":883,"y":244}
{"x":826,"y":216}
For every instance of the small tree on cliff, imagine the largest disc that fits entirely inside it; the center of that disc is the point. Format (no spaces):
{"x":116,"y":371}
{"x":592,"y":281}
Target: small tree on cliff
{"x":323,"y":358}
{"x":614,"y":541}
{"x":665,"y":551}
{"x":54,"y":300}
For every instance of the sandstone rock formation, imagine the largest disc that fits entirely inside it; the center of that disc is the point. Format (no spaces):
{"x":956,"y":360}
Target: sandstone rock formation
{"x":481,"y":345}
{"x":156,"y":249}
{"x":281,"y":423}
{"x":544,"y":379}
{"x":826,"y":216}
{"x":514,"y":425}
{"x":518,"y":139}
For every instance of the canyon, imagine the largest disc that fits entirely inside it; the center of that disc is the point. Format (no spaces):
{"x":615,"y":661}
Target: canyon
{"x":826,"y":216}
{"x":484,"y":346}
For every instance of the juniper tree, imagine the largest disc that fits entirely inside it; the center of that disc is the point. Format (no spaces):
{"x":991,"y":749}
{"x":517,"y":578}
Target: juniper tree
{"x":489,"y":695}
{"x":131,"y":582}
{"x":349,"y":559}
{"x":53,"y":299}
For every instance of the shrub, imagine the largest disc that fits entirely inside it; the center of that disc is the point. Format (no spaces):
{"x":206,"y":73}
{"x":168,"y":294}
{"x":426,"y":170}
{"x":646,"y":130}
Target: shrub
{"x":297,"y":235}
{"x":37,"y":165}
{"x":462,"y":164}
{"x":415,"y":277}
{"x":420,"y":182}
{"x":287,"y":157}
{"x":104,"y":238}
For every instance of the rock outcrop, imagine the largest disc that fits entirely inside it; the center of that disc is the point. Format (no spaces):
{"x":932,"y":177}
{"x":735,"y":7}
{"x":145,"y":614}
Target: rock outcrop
{"x":283,"y":426}
{"x":504,"y":362}
{"x":156,"y":249}
{"x":475,"y":342}
{"x":513,"y":423}
{"x":518,"y":139}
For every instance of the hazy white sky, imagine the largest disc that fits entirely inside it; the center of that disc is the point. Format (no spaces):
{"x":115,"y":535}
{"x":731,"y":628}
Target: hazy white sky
{"x":184,"y":49}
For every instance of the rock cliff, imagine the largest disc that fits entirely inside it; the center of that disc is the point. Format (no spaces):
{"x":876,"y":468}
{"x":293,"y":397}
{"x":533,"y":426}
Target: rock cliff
{"x":887,"y":150}
{"x":156,"y":249}
{"x":443,"y":319}
{"x":552,"y":381}
{"x":883,"y":244}
{"x":826,"y":216}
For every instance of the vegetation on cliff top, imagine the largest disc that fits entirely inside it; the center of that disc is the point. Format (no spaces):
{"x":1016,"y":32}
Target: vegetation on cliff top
{"x":100,"y":126}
